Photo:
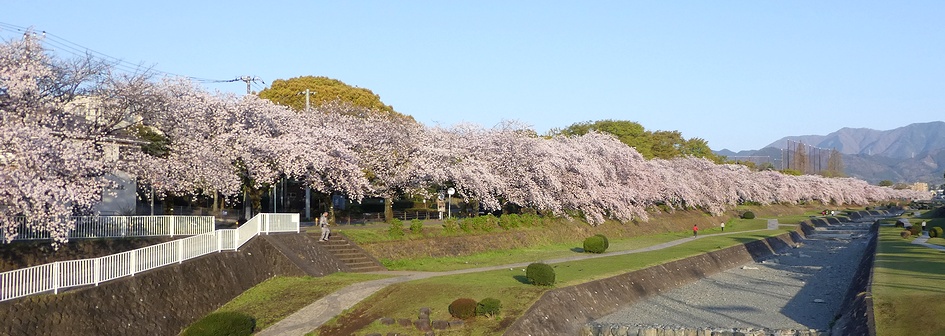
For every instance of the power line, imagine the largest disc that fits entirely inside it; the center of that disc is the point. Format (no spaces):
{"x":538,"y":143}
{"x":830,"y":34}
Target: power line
{"x":61,"y":44}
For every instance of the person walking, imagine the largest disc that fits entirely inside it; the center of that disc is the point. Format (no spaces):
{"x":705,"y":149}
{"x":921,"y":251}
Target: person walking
{"x":323,"y":223}
{"x":723,"y":226}
{"x":695,"y":231}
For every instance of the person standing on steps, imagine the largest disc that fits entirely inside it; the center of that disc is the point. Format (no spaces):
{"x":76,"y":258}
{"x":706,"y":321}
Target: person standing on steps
{"x":323,"y":223}
{"x":695,"y":231}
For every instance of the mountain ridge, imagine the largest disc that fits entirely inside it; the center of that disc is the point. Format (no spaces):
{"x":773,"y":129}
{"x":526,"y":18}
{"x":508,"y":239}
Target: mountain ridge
{"x":907,"y":154}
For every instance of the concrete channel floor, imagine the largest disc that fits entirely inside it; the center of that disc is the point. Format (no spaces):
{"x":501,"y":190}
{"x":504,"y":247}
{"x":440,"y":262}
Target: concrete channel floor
{"x":314,"y":315}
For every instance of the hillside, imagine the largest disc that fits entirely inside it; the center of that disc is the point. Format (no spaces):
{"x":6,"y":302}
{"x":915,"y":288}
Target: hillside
{"x":912,"y":153}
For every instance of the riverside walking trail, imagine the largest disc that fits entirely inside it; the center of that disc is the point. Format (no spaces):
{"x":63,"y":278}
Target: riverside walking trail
{"x":319,"y":312}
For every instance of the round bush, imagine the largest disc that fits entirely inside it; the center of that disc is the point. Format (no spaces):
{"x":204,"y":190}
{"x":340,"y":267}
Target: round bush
{"x":748,"y":215}
{"x":463,"y":308}
{"x":540,"y":274}
{"x":606,"y":241}
{"x":905,"y":233}
{"x":595,"y":244}
{"x":488,"y":307}
{"x":938,"y":231}
{"x":915,"y":229}
{"x":932,"y":233}
{"x":222,"y":324}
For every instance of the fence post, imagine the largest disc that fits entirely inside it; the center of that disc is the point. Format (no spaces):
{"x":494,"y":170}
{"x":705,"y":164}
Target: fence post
{"x":55,"y":278}
{"x":268,"y":217}
{"x":97,"y":268}
{"x":172,"y":226}
{"x":219,"y":240}
{"x":133,"y":262}
{"x":180,"y":251}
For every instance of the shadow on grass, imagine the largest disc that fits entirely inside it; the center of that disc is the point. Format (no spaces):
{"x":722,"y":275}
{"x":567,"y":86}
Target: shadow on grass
{"x":577,"y":249}
{"x":521,"y":278}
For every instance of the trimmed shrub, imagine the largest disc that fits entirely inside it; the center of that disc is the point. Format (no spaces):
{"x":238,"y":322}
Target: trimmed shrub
{"x":416,"y":226}
{"x":464,"y":224}
{"x":915,"y":229}
{"x":594,"y":244}
{"x":486,"y":223}
{"x":748,"y":215}
{"x":900,"y":223}
{"x":939,"y":231}
{"x":488,"y":307}
{"x":463,"y":308}
{"x":905,"y":233}
{"x":933,"y":233}
{"x":450,"y":227}
{"x":606,"y":241}
{"x":510,"y":221}
{"x":222,"y":324}
{"x":540,"y":274}
{"x":396,"y":229}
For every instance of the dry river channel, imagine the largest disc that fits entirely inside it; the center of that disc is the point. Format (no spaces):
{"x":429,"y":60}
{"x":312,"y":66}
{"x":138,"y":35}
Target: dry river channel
{"x":802,"y":288}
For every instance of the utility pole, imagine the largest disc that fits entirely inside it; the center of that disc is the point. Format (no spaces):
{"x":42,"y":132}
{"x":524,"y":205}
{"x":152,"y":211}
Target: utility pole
{"x":247,"y":207}
{"x":249,"y":80}
{"x":308,"y":189}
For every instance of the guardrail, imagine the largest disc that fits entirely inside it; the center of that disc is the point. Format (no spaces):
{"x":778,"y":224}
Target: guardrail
{"x":64,"y":274}
{"x":124,"y":226}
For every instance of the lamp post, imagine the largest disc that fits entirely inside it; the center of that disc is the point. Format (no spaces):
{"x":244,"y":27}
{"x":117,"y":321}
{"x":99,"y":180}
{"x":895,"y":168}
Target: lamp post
{"x":449,"y":205}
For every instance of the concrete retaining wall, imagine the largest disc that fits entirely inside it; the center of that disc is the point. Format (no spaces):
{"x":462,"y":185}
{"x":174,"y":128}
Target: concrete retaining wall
{"x":161,"y":301}
{"x":857,"y":317}
{"x":564,"y":311}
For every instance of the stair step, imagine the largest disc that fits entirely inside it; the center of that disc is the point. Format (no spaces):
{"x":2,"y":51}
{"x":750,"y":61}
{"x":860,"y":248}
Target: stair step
{"x":353,"y":257}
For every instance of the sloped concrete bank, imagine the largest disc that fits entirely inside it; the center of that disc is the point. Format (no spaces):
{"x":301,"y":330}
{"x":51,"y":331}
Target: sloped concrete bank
{"x":565,"y":311}
{"x":165,"y":300}
{"x":857,"y":317}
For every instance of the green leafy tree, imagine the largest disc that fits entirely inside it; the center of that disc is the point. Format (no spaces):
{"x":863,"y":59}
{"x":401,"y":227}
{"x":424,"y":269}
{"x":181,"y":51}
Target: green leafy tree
{"x":631,"y":133}
{"x":290,"y":92}
{"x":885,"y":183}
{"x":658,"y":144}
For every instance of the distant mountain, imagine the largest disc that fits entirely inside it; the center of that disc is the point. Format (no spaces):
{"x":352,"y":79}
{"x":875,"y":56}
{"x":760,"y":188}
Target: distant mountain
{"x":901,"y":143}
{"x":912,"y":153}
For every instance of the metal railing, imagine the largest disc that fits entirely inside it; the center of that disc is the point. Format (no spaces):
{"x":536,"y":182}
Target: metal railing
{"x":64,"y":274}
{"x":124,"y":226}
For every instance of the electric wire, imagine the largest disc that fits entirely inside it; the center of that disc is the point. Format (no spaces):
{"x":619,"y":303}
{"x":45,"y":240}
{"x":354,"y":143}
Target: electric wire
{"x":63,"y":45}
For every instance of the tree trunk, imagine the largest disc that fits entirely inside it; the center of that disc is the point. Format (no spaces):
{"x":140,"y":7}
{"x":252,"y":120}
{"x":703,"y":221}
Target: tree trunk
{"x":388,"y":209}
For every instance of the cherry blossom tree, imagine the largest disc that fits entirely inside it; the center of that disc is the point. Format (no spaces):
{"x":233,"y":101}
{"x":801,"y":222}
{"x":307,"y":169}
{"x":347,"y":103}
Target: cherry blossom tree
{"x":53,"y":163}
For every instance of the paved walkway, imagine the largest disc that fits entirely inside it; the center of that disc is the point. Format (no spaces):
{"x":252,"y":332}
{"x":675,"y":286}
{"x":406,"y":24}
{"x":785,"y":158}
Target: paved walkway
{"x":923,"y":239}
{"x":314,"y":315}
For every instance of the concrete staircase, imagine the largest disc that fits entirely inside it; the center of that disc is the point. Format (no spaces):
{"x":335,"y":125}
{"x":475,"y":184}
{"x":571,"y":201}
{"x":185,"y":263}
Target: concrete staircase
{"x":353,"y":256}
{"x":842,"y":230}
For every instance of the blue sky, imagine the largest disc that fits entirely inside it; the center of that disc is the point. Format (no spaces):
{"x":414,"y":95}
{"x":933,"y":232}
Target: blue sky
{"x":739,"y":74}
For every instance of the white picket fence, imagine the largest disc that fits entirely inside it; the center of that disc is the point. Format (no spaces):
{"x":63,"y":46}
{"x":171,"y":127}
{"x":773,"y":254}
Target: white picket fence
{"x":125,"y":226}
{"x":64,"y":274}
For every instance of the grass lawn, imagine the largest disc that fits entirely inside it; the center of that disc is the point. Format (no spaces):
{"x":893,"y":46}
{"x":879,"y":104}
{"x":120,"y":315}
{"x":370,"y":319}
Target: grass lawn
{"x":404,"y":300}
{"x":550,"y":251}
{"x":908,"y":287}
{"x":279,"y":297}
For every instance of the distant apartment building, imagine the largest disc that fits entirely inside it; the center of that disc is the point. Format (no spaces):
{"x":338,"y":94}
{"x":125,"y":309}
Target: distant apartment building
{"x":920,"y":186}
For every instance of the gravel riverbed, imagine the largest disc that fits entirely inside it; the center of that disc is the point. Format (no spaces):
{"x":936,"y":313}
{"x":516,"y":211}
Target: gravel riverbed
{"x":801,"y":288}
